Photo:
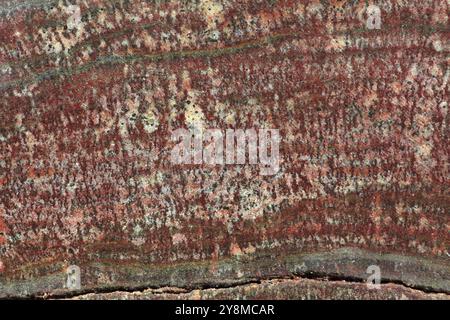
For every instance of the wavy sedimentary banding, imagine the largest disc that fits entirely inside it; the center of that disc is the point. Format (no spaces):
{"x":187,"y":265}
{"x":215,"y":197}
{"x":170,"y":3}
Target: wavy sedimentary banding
{"x":347,"y":264}
{"x":85,"y":141}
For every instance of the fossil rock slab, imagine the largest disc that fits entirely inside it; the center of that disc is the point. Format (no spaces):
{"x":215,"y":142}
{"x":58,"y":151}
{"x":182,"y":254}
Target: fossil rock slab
{"x":92,"y":90}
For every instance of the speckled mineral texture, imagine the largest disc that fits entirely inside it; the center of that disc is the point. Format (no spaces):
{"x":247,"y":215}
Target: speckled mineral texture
{"x":91,"y":90}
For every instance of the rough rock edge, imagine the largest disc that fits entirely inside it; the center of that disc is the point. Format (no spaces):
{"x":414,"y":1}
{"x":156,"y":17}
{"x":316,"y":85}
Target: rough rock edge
{"x":349,"y":264}
{"x":296,"y":288}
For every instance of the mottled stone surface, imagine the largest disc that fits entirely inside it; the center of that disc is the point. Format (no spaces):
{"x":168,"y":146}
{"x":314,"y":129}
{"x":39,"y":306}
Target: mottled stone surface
{"x":91,"y":91}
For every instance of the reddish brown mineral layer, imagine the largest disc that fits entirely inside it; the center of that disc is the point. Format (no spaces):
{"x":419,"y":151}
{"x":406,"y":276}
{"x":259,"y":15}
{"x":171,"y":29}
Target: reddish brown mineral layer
{"x":91,"y":91}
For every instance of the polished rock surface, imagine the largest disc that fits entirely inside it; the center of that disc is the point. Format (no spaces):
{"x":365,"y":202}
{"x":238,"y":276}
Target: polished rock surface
{"x":91,"y":91}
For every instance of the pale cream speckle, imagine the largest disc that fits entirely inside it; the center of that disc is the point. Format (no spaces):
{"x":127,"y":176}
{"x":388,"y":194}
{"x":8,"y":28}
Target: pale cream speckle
{"x":150,"y":120}
{"x":178,"y":238}
{"x":213,"y":11}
